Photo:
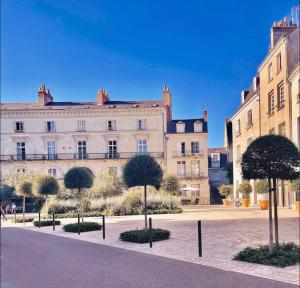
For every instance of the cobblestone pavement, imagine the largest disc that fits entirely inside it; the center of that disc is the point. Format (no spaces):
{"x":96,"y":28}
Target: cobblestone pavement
{"x":225,"y":232}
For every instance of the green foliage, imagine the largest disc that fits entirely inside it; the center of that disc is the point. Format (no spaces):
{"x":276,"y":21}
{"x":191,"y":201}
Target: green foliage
{"x":14,"y":179}
{"x":84,"y":227}
{"x":20,"y":219}
{"x":225,"y":190}
{"x":45,"y":185}
{"x":295,"y":185}
{"x":271,"y":156}
{"x":6,"y":192}
{"x":24,"y":188}
{"x":46,"y":223}
{"x":142,"y":236}
{"x":171,"y":185}
{"x":142,"y":170}
{"x":65,"y":194}
{"x":283,"y":255}
{"x":245,"y":188}
{"x":229,"y":169}
{"x":262,"y":187}
{"x":78,"y":178}
{"x":106,"y":185}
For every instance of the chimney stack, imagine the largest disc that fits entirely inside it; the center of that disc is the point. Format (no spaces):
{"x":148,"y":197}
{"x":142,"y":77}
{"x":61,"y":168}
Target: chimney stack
{"x":244,"y":95}
{"x":103,"y":97}
{"x":167,"y":99}
{"x":44,"y":95}
{"x":205,"y":115}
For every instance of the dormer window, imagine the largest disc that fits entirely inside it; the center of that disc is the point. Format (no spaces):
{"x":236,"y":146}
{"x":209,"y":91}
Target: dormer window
{"x":215,"y":160}
{"x":198,"y":126}
{"x":180,"y":127}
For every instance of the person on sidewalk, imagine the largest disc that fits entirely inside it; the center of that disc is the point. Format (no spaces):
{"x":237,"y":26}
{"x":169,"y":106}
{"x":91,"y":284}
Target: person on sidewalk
{"x":13,"y":207}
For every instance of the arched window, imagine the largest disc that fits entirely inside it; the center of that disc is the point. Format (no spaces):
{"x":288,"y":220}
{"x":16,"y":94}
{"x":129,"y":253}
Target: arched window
{"x":52,"y":171}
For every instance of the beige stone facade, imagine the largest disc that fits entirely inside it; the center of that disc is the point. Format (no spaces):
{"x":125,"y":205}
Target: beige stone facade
{"x":51,"y":137}
{"x":270,"y":105}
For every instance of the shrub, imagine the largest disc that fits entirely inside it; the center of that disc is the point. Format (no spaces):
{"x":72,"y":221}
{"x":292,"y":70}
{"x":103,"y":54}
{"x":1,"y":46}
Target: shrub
{"x":171,"y":185}
{"x":142,"y":236}
{"x":20,"y":219}
{"x":262,"y":187}
{"x":60,"y":206}
{"x":46,"y":223}
{"x":245,"y":188}
{"x":285,"y":254}
{"x":45,"y":185}
{"x":84,"y":227}
{"x":225,"y":190}
{"x":75,"y":215}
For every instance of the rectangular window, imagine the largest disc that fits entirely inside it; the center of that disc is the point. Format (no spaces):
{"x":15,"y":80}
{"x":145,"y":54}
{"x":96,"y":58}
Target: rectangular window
{"x":238,"y":127}
{"x":271,"y":103}
{"x":195,"y":148}
{"x":19,"y":127}
{"x":215,"y":160}
{"x":270,"y":72}
{"x":279,"y":62}
{"x":181,"y":168}
{"x":51,"y":149}
{"x":183,"y":191}
{"x":196,"y":168}
{"x":280,"y":93}
{"x":141,"y":124}
{"x":196,"y":190}
{"x":81,"y":125}
{"x":249,"y":118}
{"x":21,"y":153}
{"x":182,"y":148}
{"x":81,"y":150}
{"x":112,"y":149}
{"x":50,"y":126}
{"x":142,"y":146}
{"x":281,"y":129}
{"x":272,"y":131}
{"x":111,"y":125}
{"x":52,"y":172}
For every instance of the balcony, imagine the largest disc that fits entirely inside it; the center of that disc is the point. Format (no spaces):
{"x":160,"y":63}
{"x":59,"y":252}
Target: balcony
{"x":75,"y":156}
{"x":189,"y":175}
{"x":188,"y":153}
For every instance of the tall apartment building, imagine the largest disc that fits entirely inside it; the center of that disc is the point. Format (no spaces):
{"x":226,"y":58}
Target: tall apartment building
{"x":51,"y":137}
{"x":271,"y":104}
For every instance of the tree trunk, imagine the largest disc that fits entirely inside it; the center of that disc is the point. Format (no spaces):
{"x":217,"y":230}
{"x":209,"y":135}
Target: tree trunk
{"x":275,"y":213}
{"x":23,"y":210}
{"x":145,"y":206}
{"x":80,"y":204}
{"x":270,"y":217}
{"x":47,"y":207}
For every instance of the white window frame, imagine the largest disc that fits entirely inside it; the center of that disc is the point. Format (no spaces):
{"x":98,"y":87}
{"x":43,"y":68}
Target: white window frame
{"x":81,"y":149}
{"x":195,"y":147}
{"x":50,"y":126}
{"x":112,"y":149}
{"x":142,"y":145}
{"x":81,"y":125}
{"x":21,"y":150}
{"x":52,"y":171}
{"x":51,"y":150}
{"x":181,"y":168}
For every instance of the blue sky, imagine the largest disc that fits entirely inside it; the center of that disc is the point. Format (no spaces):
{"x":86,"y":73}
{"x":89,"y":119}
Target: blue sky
{"x":205,"y":51}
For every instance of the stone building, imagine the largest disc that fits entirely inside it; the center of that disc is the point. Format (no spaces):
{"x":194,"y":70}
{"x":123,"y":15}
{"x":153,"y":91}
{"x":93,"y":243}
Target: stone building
{"x":51,"y":137}
{"x":270,"y":105}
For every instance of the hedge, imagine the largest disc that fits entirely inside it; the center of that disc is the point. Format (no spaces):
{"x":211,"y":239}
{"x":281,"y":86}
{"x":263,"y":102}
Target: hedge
{"x":45,"y":223}
{"x":286,"y":254}
{"x":20,"y":219}
{"x":84,"y":227}
{"x":142,"y":235}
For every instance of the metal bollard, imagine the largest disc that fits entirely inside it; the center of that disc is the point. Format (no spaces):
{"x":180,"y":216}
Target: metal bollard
{"x":78,"y":224}
{"x":53,"y":217}
{"x":15,"y":216}
{"x":39,"y":220}
{"x":103,"y":226}
{"x":199,"y":239}
{"x":150,"y":232}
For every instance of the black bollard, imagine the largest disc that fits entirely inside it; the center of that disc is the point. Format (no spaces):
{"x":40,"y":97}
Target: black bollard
{"x":53,"y":217}
{"x":103,"y":226}
{"x":15,"y":216}
{"x":199,"y":239}
{"x":150,"y":232}
{"x":39,"y":220}
{"x":78,"y":224}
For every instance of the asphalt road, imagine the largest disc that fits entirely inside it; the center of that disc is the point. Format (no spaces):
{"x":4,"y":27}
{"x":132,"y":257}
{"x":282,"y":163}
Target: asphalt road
{"x":37,"y":260}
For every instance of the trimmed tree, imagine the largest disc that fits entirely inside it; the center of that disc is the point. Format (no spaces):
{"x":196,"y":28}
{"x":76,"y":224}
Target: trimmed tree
{"x":24,"y":189}
{"x":143,"y":170}
{"x":245,"y":188}
{"x":171,"y":185}
{"x":225,"y":190}
{"x":271,"y":157}
{"x":262,"y":187}
{"x":45,"y":185}
{"x":79,"y":178}
{"x":6,"y":193}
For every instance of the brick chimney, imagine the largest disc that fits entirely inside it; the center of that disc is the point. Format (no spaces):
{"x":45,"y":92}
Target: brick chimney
{"x":167,"y":98}
{"x":205,"y":115}
{"x":244,"y":94}
{"x":103,"y":97}
{"x":280,"y":29}
{"x":44,"y":95}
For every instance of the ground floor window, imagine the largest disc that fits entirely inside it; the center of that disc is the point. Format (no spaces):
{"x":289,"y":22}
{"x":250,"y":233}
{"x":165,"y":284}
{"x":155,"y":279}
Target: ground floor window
{"x":52,"y":172}
{"x":195,"y":190}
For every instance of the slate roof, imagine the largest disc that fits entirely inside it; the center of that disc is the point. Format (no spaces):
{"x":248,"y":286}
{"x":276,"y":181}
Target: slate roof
{"x":189,"y":125}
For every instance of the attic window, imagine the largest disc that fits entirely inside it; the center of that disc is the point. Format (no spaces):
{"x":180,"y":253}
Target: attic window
{"x":198,"y":126}
{"x":135,"y":105}
{"x":155,"y":105}
{"x":180,"y":127}
{"x":112,"y":106}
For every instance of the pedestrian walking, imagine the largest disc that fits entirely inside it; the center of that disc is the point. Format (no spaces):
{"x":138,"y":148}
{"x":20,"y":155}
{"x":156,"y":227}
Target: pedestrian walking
{"x":13,"y":207}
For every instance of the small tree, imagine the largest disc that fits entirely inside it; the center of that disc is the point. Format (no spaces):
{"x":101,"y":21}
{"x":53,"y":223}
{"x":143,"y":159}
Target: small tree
{"x":271,"y":157}
{"x":45,"y":185}
{"x":262,"y":187}
{"x":225,"y":190}
{"x":245,"y":188}
{"x":79,"y":178}
{"x":143,"y":170}
{"x":24,"y":189}
{"x":295,"y":187}
{"x":6,"y":193}
{"x":171,"y":185}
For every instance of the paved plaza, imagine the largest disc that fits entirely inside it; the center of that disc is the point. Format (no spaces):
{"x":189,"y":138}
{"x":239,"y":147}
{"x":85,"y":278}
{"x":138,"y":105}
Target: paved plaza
{"x":225,"y":232}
